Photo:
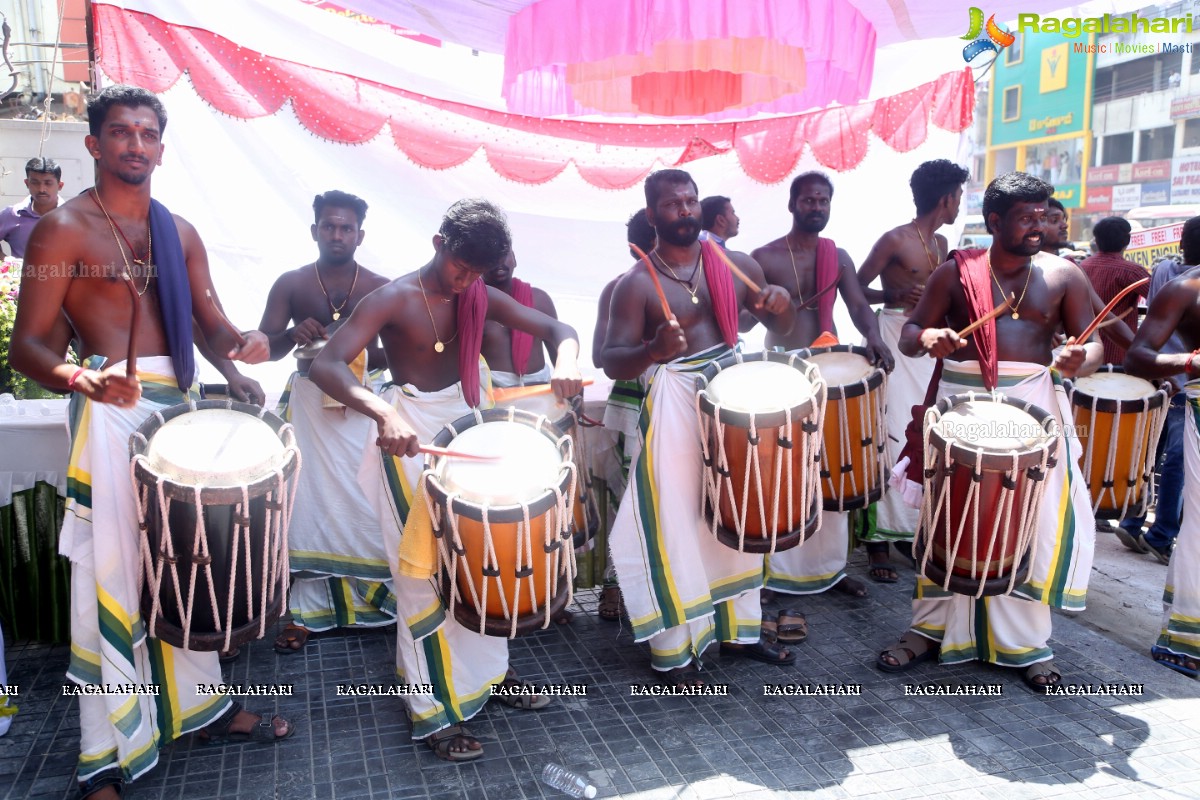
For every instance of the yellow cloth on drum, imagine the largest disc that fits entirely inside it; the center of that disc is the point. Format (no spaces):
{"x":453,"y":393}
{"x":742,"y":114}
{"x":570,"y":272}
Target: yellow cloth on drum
{"x":1181,"y":599}
{"x":418,"y":545}
{"x":109,"y":643}
{"x":673,"y":572}
{"x":359,"y":367}
{"x":458,"y":664}
{"x":1014,"y":630}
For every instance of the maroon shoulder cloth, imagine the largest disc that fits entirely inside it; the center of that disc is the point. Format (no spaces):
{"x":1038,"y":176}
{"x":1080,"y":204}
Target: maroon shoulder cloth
{"x":720,"y":288}
{"x":974,"y":272}
{"x":826,"y":274}
{"x":522,"y":342}
{"x":472,"y":314}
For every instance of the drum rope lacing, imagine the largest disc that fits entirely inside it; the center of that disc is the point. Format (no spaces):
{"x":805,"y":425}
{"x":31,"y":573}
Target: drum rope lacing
{"x":279,"y":503}
{"x":1144,"y":448}
{"x":933,"y":509}
{"x":555,"y":538}
{"x":872,"y":420}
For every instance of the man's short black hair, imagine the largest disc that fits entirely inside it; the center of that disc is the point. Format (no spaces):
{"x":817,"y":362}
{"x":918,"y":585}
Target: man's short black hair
{"x":338,"y":199}
{"x":1111,"y":234}
{"x":1011,"y":188}
{"x":656,"y":180}
{"x":475,"y":232}
{"x":46,"y":166}
{"x":1189,"y":242}
{"x":711,"y":208}
{"x":128,"y":97}
{"x":933,"y":180}
{"x":1054,"y":202}
{"x":639,"y":231}
{"x":808,"y":177}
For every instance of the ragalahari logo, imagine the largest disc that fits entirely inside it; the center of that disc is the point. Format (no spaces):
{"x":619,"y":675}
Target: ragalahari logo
{"x":984,"y":37}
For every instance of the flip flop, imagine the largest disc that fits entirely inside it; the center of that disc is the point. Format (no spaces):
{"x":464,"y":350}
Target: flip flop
{"x":1042,"y":669}
{"x":905,"y":652}
{"x":792,"y":626}
{"x":685,"y":677}
{"x":612,"y":605}
{"x":291,"y":635}
{"x":263,"y":732}
{"x":1131,"y":541}
{"x":523,"y":701}
{"x":766,"y":652}
{"x":879,"y":563}
{"x":441,"y":742}
{"x":1163,"y":656}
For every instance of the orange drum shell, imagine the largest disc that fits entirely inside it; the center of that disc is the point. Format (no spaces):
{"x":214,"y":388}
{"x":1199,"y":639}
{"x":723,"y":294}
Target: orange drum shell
{"x":998,"y":559}
{"x":1096,"y":432}
{"x":737,"y":450}
{"x":504,"y":541}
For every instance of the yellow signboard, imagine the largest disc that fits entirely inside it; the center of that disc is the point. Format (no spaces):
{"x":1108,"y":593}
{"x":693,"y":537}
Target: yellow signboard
{"x":1054,"y":68}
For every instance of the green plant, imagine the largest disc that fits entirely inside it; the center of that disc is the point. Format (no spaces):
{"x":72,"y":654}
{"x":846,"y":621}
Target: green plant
{"x":12,"y":381}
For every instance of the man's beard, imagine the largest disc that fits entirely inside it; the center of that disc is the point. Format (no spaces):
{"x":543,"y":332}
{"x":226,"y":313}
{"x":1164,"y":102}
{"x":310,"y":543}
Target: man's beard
{"x":683,"y":233}
{"x":813,"y":223}
{"x":1024,"y":247}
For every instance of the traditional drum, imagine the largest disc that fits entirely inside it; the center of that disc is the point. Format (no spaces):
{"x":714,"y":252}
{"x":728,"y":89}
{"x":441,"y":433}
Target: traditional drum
{"x":854,"y":436}
{"x":564,"y":418}
{"x":503,"y":526}
{"x":215,"y":482}
{"x":760,"y":423}
{"x":986,"y":459}
{"x":1118,"y":419}
{"x":306,"y":354}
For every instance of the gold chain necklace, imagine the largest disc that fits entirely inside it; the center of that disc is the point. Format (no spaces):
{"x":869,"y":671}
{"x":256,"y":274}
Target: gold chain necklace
{"x":698,"y":268}
{"x":149,"y":247}
{"x":1016,"y":305}
{"x":438,"y":345}
{"x":337,"y":310}
{"x":932,"y":264}
{"x":795,"y":273}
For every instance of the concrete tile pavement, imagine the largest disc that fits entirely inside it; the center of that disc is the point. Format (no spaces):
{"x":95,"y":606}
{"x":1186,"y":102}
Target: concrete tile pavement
{"x":879,"y":742}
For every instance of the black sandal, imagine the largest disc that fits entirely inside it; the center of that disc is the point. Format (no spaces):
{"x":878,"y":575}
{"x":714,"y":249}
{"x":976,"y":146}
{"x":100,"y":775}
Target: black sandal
{"x":102,"y":780}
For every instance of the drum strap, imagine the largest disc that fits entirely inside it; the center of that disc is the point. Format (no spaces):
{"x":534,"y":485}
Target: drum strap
{"x":914,"y":434}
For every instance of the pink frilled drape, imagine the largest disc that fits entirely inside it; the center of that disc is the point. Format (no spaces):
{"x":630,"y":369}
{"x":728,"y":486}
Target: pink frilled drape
{"x":686,"y":58}
{"x":141,"y":49}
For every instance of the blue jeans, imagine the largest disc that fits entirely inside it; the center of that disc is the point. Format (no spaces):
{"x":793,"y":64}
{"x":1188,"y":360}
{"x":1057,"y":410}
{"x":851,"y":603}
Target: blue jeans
{"x":1169,"y":506}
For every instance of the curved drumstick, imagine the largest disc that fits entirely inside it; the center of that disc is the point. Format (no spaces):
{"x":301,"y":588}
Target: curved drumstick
{"x":662,"y":297}
{"x":1115,"y":320}
{"x":734,"y":269}
{"x":509,"y":394}
{"x":441,"y":451}
{"x":224,"y":320}
{"x":809,"y":302}
{"x":986,"y":318}
{"x":1090,"y":329}
{"x":131,"y":355}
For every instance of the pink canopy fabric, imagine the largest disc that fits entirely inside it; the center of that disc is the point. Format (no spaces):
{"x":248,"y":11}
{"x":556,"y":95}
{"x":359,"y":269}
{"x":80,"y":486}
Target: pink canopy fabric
{"x":138,"y":48}
{"x":714,"y":59}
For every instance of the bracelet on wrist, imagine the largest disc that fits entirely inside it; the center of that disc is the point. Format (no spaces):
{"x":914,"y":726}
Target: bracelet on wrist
{"x":1187,"y":368}
{"x":75,"y":377}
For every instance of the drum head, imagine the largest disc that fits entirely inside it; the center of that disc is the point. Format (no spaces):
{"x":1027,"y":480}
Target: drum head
{"x":546,"y":405}
{"x":991,"y":426}
{"x":757,"y":386}
{"x":1115,"y":386}
{"x":215,"y":447}
{"x":528,"y":467}
{"x":841,"y":369}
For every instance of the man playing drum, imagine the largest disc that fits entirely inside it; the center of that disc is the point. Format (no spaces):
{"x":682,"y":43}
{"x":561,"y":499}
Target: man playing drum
{"x":814,"y":271}
{"x":682,"y":588}
{"x":1011,"y":354}
{"x":431,"y":324}
{"x":340,"y":572}
{"x":1173,"y":318}
{"x":903,"y":259}
{"x":81,"y":262}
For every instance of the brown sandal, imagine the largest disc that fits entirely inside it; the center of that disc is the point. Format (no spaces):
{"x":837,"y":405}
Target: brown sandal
{"x":612,"y":604}
{"x":291,"y":639}
{"x":442,"y":741}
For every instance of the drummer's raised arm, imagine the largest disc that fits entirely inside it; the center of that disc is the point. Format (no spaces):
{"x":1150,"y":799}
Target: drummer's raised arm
{"x":925,"y":332}
{"x":560,"y":336}
{"x":772,"y":305}
{"x":277,"y":315}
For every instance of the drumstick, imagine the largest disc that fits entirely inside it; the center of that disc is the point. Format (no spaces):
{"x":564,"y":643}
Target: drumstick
{"x":662,"y":297}
{"x":441,"y":451}
{"x":131,"y":356}
{"x":734,"y":269}
{"x":986,"y":318}
{"x":1090,"y":329}
{"x":509,"y":394}
{"x":1115,"y":320}
{"x":224,"y":320}
{"x":808,"y":303}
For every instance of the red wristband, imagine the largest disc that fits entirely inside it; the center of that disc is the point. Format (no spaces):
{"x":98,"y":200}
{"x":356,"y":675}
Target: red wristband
{"x":71,"y":383}
{"x":1187,"y":369}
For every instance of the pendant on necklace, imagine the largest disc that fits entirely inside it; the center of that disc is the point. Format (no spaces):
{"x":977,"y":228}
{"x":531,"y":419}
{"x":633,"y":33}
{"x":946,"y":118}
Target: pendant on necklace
{"x":1015,"y":315}
{"x":336,"y":316}
{"x":695,"y":300}
{"x":438,"y":347}
{"x":140,"y":262}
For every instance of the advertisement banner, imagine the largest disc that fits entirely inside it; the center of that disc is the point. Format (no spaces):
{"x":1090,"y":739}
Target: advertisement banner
{"x":1156,"y":194}
{"x":1185,"y":179}
{"x":1148,"y":246}
{"x":1186,"y":107}
{"x":1148,"y":171}
{"x":1126,"y":196}
{"x":1109,"y":174}
{"x":1099,"y":198}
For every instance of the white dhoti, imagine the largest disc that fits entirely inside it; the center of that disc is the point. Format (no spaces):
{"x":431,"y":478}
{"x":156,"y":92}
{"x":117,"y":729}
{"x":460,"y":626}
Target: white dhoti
{"x":682,"y":588}
{"x":339,"y":566}
{"x":815,"y":564}
{"x":506,"y":379}
{"x":459,"y":664}
{"x":896,"y":520}
{"x":1181,"y":599}
{"x":1013,"y":630}
{"x":109,"y":646}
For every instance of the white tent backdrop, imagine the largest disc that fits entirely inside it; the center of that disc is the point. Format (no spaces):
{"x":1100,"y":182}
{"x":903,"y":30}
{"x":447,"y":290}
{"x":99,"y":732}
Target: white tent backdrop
{"x":248,"y":185}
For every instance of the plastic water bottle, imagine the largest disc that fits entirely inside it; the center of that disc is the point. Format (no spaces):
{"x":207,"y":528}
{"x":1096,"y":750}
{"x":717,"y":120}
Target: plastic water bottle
{"x":566,"y":781}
